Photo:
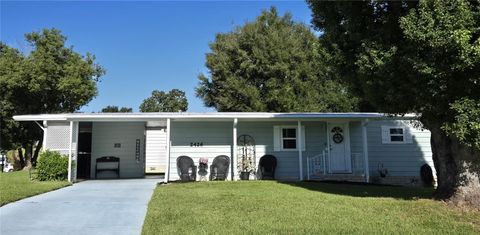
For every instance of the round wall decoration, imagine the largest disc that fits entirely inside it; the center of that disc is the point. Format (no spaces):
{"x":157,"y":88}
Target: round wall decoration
{"x":337,"y":136}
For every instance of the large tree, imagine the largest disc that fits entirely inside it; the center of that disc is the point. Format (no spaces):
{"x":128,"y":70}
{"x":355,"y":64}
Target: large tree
{"x":160,"y":101}
{"x":272,"y":64}
{"x":115,"y":109}
{"x":421,"y":57}
{"x":52,"y":78}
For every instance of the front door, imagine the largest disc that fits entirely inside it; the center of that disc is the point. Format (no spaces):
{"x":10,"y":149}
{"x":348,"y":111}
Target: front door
{"x":339,"y":142}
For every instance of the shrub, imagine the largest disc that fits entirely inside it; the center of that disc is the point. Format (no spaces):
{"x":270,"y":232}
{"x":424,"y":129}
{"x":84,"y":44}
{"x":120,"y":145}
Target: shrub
{"x":52,"y":165}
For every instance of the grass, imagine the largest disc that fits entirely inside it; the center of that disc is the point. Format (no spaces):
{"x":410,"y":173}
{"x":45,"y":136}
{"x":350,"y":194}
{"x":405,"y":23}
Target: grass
{"x":268,"y":207}
{"x":17,"y":185}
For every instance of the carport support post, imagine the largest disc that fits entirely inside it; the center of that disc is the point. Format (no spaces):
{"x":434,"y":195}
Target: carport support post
{"x":167,"y":171}
{"x":300,"y":147}
{"x":365,"y":151}
{"x":234,"y":150}
{"x":70,"y":153}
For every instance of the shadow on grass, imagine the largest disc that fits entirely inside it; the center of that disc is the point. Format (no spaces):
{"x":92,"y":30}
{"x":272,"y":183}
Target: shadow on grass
{"x":365,"y":190}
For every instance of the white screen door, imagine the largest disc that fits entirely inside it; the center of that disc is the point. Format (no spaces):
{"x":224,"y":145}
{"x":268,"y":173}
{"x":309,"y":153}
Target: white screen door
{"x":340,"y":159}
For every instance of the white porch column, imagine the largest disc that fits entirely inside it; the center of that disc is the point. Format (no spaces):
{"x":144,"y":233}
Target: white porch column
{"x":70,"y":153}
{"x":300,"y":147}
{"x":167,"y":170}
{"x":234,"y":150}
{"x":45,"y":129}
{"x":365,"y":150}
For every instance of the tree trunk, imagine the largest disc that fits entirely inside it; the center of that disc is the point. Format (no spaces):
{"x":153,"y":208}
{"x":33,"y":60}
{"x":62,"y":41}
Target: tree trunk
{"x":21,"y":159}
{"x":38,"y":147}
{"x":458,"y":169}
{"x":28,"y":156}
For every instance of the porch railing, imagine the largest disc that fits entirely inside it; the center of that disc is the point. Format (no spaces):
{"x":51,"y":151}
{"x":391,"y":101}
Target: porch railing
{"x":318,"y":165}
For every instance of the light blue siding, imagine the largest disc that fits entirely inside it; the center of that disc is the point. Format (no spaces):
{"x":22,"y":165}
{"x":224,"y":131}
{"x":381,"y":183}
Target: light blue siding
{"x":400,"y":159}
{"x":356,"y":142}
{"x":288,"y":166}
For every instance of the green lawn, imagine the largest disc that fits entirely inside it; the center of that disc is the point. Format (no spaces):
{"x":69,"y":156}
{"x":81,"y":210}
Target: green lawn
{"x":17,"y":185}
{"x":264,"y":207}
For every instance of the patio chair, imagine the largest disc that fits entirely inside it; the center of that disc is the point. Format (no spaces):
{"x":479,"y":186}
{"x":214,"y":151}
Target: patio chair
{"x":186,"y":168}
{"x":219,"y":168}
{"x":267,"y":166}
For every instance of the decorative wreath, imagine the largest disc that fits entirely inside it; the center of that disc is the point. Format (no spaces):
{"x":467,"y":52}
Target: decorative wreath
{"x":337,"y":137}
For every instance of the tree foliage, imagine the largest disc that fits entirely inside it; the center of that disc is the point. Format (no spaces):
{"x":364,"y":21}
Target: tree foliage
{"x":271,"y":64}
{"x":115,"y":109}
{"x":421,"y":57}
{"x":52,"y":78}
{"x":160,"y":101}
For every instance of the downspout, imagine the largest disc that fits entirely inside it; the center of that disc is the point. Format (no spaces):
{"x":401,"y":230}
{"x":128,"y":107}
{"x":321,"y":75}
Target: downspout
{"x":365,"y":150}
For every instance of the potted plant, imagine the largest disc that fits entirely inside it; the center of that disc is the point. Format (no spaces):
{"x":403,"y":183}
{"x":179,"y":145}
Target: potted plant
{"x":203,"y":166}
{"x":246,"y":166}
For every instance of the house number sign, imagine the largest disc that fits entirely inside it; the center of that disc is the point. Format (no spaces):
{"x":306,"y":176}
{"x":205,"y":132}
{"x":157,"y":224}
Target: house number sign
{"x":196,"y":144}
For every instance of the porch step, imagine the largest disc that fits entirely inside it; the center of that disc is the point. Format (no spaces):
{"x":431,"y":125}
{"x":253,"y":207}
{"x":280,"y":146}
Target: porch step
{"x":349,"y":178}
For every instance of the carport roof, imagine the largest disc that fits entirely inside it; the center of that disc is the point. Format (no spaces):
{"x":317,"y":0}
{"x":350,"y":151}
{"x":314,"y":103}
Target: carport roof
{"x":200,"y":116}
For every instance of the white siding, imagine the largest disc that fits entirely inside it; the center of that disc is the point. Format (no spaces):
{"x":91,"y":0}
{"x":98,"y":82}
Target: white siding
{"x":106,"y":134}
{"x":216,"y":138}
{"x":156,"y":150}
{"x":58,"y":137}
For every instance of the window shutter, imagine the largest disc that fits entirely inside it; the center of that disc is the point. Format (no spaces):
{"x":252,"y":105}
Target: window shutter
{"x":408,"y":135}
{"x":385,"y":135}
{"x":276,"y":138}
{"x":303,"y":139}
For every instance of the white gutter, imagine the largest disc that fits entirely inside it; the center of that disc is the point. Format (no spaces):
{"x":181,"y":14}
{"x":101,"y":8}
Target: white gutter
{"x":201,"y":116}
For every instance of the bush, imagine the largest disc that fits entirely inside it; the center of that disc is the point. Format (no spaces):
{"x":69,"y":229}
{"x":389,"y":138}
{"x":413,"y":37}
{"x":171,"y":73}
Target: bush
{"x":52,"y":165}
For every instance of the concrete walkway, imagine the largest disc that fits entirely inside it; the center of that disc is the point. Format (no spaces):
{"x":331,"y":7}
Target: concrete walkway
{"x":90,"y":207}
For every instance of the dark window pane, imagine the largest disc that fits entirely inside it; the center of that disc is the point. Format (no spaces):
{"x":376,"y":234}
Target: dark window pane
{"x":396,"y":131}
{"x":396,"y":138}
{"x":289,"y":144}
{"x":289,"y":133}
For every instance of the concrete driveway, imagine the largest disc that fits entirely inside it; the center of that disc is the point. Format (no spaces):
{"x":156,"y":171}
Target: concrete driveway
{"x":90,"y":207}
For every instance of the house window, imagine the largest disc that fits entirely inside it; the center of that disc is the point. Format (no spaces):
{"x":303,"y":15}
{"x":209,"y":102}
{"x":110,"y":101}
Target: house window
{"x":289,"y":138}
{"x":397,"y":135}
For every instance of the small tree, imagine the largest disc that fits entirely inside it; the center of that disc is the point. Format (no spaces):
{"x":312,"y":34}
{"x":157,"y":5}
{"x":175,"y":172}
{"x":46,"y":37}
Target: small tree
{"x":115,"y":109}
{"x":160,"y":101}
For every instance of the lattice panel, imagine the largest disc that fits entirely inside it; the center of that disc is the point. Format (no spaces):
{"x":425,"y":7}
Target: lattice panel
{"x":58,"y":136}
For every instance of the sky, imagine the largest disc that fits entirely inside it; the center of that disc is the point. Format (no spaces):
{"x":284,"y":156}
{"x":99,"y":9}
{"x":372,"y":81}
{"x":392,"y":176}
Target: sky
{"x":142,"y":45}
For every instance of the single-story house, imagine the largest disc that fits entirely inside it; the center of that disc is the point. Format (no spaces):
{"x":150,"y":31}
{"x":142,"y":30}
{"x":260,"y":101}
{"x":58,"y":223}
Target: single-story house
{"x":366,"y":147}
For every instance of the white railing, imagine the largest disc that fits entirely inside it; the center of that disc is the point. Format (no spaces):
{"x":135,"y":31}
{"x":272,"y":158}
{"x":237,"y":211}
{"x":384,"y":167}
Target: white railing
{"x":318,"y":165}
